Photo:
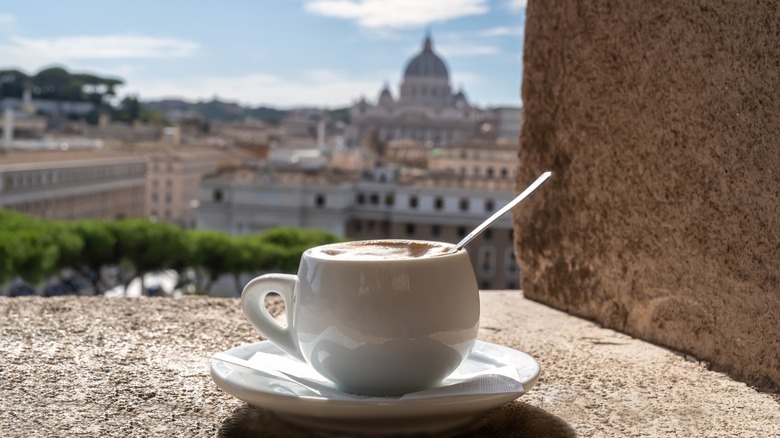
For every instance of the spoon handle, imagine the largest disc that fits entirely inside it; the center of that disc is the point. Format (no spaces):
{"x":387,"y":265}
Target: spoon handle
{"x":477,"y":231}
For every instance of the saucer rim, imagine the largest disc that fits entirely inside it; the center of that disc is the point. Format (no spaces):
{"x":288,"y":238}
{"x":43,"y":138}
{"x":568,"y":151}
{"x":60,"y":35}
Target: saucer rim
{"x":324,"y":408}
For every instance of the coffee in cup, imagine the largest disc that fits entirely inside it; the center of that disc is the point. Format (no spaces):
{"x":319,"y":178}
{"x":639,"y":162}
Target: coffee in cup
{"x":380,"y":317}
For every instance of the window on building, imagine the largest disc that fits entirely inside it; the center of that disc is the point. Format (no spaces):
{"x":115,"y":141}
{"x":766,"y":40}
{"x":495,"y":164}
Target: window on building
{"x":461,"y":231}
{"x":435,"y":230}
{"x":464,"y":204}
{"x":360,"y":198}
{"x":371,"y":225}
{"x":389,"y":199}
{"x":409,"y":229}
{"x":486,"y":260}
{"x":413,"y":202}
{"x":510,"y":263}
{"x":485,"y":285}
{"x":374,"y":199}
{"x":319,"y":200}
{"x":504,"y":172}
{"x":357,"y":226}
{"x":154,"y":197}
{"x":463,"y":154}
{"x":217,"y":196}
{"x":476,"y":170}
{"x":490,"y":205}
{"x":511,"y":284}
{"x":438,"y":203}
{"x":490,"y":172}
{"x":487,"y":234}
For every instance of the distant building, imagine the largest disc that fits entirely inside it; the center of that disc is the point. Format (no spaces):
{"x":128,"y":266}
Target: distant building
{"x":476,"y":159}
{"x":173,"y":178}
{"x":426,"y":110}
{"x":48,"y":107}
{"x":380,"y":203}
{"x":78,"y":184}
{"x":123,"y":132}
{"x":16,"y":124}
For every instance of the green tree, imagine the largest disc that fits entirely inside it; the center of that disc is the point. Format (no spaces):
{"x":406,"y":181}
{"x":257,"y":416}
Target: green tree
{"x":148,"y":247}
{"x":57,"y":84}
{"x":285,"y":245}
{"x":129,"y":110}
{"x":99,"y":250}
{"x":31,"y":248}
{"x":12,"y":83}
{"x":213,"y":253}
{"x":36,"y":249}
{"x":69,"y":243}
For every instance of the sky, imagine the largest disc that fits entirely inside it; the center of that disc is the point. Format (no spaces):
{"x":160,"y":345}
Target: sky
{"x":280,"y":53}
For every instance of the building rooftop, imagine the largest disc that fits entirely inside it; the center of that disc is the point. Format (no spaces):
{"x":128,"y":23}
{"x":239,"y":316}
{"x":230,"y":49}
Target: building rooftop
{"x":427,"y":63}
{"x":413,"y":178}
{"x":42,"y":156}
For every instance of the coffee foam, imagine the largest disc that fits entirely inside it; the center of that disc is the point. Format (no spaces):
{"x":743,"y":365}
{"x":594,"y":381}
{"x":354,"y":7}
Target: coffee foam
{"x":382,"y":250}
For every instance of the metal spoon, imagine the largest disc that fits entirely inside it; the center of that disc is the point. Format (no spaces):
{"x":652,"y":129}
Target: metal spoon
{"x":477,"y":231}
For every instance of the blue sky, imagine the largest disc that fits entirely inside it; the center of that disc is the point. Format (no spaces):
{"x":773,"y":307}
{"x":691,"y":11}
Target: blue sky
{"x":283,"y":53}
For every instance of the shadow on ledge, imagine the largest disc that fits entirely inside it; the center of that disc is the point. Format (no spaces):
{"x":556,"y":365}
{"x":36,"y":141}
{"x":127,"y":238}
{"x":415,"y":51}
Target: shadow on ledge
{"x":511,"y":420}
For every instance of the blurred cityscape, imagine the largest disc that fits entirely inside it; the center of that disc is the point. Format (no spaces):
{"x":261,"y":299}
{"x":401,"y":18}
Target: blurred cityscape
{"x":418,"y":162}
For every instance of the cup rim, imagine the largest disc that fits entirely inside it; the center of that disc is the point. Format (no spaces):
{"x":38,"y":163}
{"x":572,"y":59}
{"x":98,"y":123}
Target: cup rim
{"x":309,"y":252}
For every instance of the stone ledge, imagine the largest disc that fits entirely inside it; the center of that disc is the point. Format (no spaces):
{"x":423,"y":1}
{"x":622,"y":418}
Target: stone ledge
{"x":118,"y":367}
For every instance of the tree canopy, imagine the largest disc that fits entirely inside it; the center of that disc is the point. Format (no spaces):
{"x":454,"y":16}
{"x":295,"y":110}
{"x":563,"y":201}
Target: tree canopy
{"x":36,"y":249}
{"x":56,"y":83}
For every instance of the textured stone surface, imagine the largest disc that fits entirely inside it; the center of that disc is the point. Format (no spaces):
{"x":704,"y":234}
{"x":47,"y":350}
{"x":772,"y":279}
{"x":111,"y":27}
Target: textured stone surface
{"x":139,"y":367}
{"x":661,"y":123}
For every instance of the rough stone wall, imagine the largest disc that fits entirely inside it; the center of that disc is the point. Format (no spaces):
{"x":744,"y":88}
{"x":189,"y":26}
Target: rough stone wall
{"x":661,"y":123}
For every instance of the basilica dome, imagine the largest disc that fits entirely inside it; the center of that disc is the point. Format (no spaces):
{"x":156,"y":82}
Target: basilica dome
{"x":426,"y":63}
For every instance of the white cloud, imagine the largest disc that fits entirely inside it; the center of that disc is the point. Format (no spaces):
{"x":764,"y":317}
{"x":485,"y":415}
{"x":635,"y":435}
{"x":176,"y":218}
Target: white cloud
{"x":316,"y":88}
{"x":379,"y":14}
{"x":31,"y":53}
{"x":453,"y":50}
{"x":517,"y":5}
{"x":502,"y":31}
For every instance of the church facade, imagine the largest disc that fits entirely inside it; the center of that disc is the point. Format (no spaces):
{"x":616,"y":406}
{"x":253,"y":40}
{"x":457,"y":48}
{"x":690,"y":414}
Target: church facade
{"x":426,"y":110}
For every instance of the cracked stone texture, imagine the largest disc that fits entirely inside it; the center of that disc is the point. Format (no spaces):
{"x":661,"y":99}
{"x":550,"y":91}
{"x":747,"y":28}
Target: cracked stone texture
{"x":660,"y":123}
{"x":82,"y":366}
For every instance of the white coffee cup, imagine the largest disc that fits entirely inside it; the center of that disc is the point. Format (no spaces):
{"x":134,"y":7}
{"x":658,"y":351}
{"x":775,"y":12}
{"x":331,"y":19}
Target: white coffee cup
{"x":371,"y":324}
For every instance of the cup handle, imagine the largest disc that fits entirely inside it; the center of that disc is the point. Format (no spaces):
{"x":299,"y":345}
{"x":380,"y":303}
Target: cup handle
{"x":253,"y":305}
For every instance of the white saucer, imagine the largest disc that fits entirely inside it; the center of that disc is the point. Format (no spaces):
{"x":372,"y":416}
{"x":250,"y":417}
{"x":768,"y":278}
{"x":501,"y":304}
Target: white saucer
{"x":486,"y":386}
